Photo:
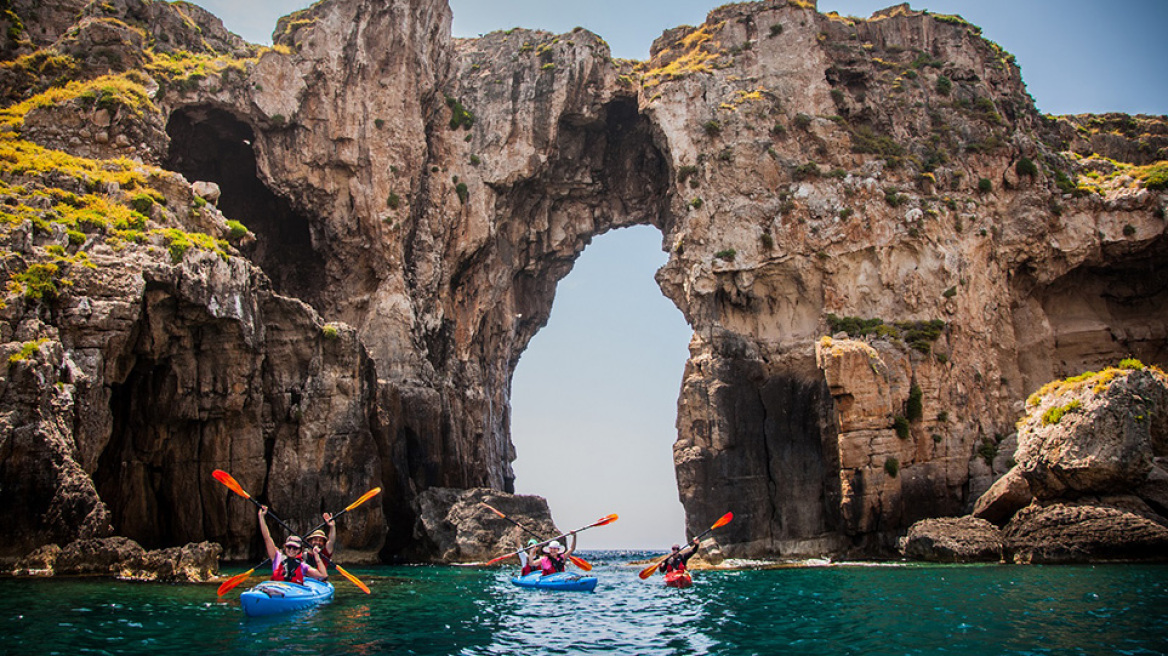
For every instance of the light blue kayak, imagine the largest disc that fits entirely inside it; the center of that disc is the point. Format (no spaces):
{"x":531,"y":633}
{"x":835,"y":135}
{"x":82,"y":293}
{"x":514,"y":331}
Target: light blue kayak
{"x":567,"y":581}
{"x":272,"y":597}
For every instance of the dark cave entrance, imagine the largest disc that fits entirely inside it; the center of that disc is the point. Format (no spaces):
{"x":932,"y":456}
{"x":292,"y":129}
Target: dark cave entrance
{"x":177,"y":407}
{"x":1093,"y":317}
{"x":209,"y":144}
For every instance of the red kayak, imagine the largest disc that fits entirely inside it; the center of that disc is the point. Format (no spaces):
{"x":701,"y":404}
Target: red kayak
{"x":677,"y":579}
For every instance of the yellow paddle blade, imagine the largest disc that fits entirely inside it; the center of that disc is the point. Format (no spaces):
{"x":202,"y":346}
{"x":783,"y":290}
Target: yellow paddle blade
{"x":723,"y":520}
{"x":233,"y":485}
{"x":356,"y":581}
{"x":581,"y":563}
{"x":234,"y":581}
{"x":364,"y":497}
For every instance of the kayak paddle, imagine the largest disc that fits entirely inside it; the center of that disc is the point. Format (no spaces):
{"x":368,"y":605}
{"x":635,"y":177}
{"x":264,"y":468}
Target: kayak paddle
{"x":722,"y":521}
{"x":356,"y":581}
{"x":233,"y":485}
{"x":608,"y":519}
{"x":364,"y":497}
{"x":577,"y":561}
{"x":239,"y":578}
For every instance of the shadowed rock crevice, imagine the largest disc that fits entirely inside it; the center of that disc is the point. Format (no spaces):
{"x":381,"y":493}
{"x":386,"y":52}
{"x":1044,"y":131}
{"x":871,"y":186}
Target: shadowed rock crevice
{"x":176,"y":408}
{"x":212,"y":145}
{"x":1094,"y":316}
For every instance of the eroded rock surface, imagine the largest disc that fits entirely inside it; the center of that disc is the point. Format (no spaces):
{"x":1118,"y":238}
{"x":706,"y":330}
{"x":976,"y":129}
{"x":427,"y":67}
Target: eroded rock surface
{"x":455,"y":527}
{"x":954,"y":540}
{"x":124,"y":558}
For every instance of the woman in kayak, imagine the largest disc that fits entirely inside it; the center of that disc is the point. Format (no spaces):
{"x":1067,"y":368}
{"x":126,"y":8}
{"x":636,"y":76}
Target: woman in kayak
{"x":676,"y":562}
{"x":287,"y":564}
{"x":555,"y":561}
{"x":325,"y":543}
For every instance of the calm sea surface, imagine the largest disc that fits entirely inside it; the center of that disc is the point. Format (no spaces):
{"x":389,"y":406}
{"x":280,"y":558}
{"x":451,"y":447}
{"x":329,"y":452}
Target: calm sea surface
{"x":907,"y":609}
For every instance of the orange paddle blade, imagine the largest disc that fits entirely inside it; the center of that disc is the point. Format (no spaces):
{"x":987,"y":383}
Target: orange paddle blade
{"x":364,"y":497}
{"x":493,"y":509}
{"x":606,"y":520}
{"x":581,"y":563}
{"x":723,"y":520}
{"x":356,"y":581}
{"x":499,"y":559}
{"x":233,"y":485}
{"x":648,"y":571}
{"x":234,"y":581}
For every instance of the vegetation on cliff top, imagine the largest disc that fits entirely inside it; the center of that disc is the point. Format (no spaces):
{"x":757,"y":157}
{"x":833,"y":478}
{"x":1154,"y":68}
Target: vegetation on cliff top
{"x":920,"y":335}
{"x":1098,"y":381}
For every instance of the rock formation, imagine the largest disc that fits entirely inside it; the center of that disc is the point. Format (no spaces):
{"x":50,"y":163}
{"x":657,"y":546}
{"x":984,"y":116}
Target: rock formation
{"x":1088,"y":481}
{"x":126,"y":559}
{"x":396,"y":207}
{"x":454,"y":527}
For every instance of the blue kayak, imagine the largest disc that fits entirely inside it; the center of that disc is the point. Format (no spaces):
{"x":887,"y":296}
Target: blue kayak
{"x":272,"y":597}
{"x":557,"y":581}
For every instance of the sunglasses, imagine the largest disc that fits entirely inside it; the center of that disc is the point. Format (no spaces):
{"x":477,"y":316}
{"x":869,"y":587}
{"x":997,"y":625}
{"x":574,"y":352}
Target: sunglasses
{"x":293,"y":547}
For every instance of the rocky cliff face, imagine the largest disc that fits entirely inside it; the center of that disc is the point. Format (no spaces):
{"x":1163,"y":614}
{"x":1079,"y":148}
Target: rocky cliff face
{"x":811,"y":175}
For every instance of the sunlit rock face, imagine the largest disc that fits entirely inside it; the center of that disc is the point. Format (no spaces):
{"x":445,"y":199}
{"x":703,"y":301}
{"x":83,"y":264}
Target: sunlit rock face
{"x":806,"y":171}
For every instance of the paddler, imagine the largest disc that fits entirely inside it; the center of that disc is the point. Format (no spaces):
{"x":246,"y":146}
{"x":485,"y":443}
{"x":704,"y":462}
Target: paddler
{"x":287,"y":564}
{"x":325,"y":543}
{"x":676,"y":561}
{"x":556,"y":559}
{"x":530,"y":558}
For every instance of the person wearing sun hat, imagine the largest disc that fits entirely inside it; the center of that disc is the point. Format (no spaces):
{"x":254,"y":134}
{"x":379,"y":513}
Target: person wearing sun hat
{"x":555,"y":560}
{"x":287,"y":564}
{"x":326,"y":543}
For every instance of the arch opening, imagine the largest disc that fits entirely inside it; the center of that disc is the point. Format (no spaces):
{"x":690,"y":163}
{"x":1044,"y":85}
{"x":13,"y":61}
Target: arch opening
{"x":594,"y":398}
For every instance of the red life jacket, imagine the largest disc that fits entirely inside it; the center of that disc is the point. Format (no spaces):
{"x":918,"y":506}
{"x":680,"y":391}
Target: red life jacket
{"x":282,"y":565}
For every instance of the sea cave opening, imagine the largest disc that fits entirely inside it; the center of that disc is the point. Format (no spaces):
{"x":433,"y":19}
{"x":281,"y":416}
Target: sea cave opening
{"x":211,"y":145}
{"x":594,"y":397}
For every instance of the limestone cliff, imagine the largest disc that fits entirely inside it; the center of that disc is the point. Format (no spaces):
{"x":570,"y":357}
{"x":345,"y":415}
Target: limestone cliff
{"x":811,"y":175}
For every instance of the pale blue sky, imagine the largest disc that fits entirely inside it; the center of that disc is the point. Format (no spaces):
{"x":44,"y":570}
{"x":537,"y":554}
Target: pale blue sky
{"x":594,"y":397}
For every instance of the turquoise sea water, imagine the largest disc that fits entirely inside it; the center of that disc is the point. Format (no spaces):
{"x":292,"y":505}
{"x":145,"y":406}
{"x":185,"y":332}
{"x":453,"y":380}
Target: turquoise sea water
{"x":906,"y":609}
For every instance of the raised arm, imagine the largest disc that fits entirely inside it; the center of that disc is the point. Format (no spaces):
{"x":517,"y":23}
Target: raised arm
{"x":571,"y":544}
{"x":331,"y":544}
{"x":268,"y":544}
{"x":318,"y":572}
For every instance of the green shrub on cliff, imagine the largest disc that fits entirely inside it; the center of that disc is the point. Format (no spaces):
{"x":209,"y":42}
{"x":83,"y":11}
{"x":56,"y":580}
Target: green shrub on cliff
{"x":38,"y":281}
{"x":1055,"y":414}
{"x":27,"y":350}
{"x":988,"y":450}
{"x":902,"y":426}
{"x":914,"y":407}
{"x":460,"y":117}
{"x":892,"y":467}
{"x":1027,"y":167}
{"x":236,"y":230}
